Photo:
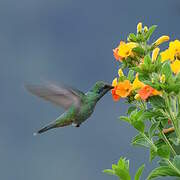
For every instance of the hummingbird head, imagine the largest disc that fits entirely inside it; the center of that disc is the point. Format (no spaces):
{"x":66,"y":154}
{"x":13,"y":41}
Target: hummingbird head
{"x":101,"y":88}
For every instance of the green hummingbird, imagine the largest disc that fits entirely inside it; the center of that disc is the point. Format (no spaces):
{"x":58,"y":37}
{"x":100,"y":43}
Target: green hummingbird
{"x":78,"y":105}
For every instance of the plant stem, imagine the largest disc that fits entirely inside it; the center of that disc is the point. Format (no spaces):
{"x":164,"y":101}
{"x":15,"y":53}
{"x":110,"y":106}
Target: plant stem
{"x":167,"y":142}
{"x":172,"y":115}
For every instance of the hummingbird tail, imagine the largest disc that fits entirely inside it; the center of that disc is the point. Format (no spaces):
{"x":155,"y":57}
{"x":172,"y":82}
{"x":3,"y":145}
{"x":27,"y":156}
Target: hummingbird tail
{"x":46,"y":128}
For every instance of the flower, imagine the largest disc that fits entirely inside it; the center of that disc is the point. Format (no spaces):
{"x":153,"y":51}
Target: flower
{"x":113,"y":91}
{"x":161,"y":40}
{"x":139,"y":27}
{"x":155,"y":54}
{"x":174,"y":48}
{"x":116,"y":56}
{"x":124,"y":50}
{"x":165,"y":55}
{"x":175,"y":66}
{"x":114,"y":95}
{"x":145,"y":92}
{"x":124,"y":88}
{"x":137,"y":84}
{"x":121,"y":89}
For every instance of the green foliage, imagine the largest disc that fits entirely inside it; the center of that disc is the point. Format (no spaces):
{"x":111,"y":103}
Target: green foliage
{"x":121,"y":170}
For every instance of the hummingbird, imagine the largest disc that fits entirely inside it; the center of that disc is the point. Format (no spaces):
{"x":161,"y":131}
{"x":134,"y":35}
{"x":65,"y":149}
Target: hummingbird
{"x":78,"y":105}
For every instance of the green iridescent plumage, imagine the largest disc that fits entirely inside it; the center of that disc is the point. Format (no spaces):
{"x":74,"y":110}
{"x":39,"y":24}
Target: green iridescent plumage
{"x":79,"y":106}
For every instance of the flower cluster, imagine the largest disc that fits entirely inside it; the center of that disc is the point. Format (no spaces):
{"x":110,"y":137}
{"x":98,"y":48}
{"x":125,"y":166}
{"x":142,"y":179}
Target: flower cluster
{"x":132,"y":54}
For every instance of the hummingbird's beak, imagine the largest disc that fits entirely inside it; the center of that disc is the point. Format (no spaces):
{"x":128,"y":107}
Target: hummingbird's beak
{"x":108,"y":86}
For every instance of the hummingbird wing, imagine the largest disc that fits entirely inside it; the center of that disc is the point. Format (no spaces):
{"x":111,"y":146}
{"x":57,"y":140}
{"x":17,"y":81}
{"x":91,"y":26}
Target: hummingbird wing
{"x":59,"y":95}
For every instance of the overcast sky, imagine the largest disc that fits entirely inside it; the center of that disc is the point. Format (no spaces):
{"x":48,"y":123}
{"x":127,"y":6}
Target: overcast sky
{"x":71,"y":42}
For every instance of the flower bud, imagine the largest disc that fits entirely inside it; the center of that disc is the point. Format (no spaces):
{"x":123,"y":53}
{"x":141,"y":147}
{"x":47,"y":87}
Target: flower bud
{"x":163,"y":78}
{"x":139,"y":27}
{"x":161,"y":40}
{"x":145,"y":29}
{"x":120,"y":72}
{"x":155,"y":54}
{"x":137,"y":97}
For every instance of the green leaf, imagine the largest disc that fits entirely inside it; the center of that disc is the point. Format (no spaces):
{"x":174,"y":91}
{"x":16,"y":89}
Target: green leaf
{"x":139,"y":172}
{"x":153,"y":154}
{"x":131,"y":109}
{"x":153,"y":128}
{"x":150,"y":31}
{"x":176,"y":162}
{"x":139,"y":140}
{"x":139,"y":50}
{"x":166,"y":70}
{"x":123,"y":174}
{"x":109,"y":171}
{"x":161,"y":171}
{"x":124,"y":118}
{"x":139,"y":125}
{"x":164,"y":151}
{"x":131,"y":75}
{"x":157,"y":102}
{"x":132,"y":37}
{"x":147,"y":61}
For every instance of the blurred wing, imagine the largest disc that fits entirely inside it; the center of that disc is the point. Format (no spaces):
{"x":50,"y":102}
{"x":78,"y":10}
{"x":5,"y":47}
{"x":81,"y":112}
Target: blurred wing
{"x":59,"y":95}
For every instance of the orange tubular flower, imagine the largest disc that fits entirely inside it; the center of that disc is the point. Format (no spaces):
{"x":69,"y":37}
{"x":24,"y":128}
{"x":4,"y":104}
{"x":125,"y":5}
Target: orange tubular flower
{"x":145,"y":92}
{"x":121,"y":89}
{"x":116,"y":56}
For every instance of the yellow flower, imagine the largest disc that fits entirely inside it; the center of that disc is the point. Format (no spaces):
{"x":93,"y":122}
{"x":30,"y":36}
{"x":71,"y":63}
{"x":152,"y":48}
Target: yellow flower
{"x":137,"y":84}
{"x":174,"y":48}
{"x":124,"y":88}
{"x":175,"y":66}
{"x":161,"y":40}
{"x":120,"y":72}
{"x":166,"y":55}
{"x":155,"y":54}
{"x":162,"y":78}
{"x":145,"y":29}
{"x":125,"y":49}
{"x":139,"y":27}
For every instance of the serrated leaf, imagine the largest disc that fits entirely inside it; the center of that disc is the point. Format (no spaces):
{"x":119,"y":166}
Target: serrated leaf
{"x":139,"y":140}
{"x":164,"y":151}
{"x":139,"y":125}
{"x":132,"y":37}
{"x":131,"y":109}
{"x":161,"y":171}
{"x":157,"y":102}
{"x":139,"y":172}
{"x":153,"y":128}
{"x":150,"y":31}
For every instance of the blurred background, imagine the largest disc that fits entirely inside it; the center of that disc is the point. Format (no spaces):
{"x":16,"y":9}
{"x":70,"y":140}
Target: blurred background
{"x":71,"y":42}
